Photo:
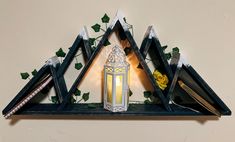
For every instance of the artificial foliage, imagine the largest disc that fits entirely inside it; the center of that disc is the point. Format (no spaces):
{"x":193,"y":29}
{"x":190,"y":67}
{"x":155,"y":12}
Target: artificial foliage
{"x":60,"y":53}
{"x":161,"y":79}
{"x":105,"y":18}
{"x":34,"y":72}
{"x":78,"y":66}
{"x":24,"y":75}
{"x":97,"y":28}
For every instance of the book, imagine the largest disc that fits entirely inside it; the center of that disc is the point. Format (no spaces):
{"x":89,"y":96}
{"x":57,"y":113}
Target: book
{"x":205,"y":104}
{"x":35,"y":91}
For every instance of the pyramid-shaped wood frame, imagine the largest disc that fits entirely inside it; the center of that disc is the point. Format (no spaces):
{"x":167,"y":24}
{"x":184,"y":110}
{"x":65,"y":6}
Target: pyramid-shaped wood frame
{"x":66,"y":108}
{"x":178,"y":65}
{"x":152,"y":46}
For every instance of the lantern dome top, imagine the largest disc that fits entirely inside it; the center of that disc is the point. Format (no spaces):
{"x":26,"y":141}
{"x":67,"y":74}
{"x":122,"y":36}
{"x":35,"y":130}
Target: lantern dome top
{"x":117,"y":57}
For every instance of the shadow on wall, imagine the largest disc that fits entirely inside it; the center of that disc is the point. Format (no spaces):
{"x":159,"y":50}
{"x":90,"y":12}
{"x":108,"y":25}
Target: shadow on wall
{"x":199,"y":119}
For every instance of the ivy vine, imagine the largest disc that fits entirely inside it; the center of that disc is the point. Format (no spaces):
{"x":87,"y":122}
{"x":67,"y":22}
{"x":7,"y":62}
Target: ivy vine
{"x":150,"y":97}
{"x":74,"y":99}
{"x":97,"y":28}
{"x":26,"y":75}
{"x":169,"y":54}
{"x":78,"y":65}
{"x":78,"y":96}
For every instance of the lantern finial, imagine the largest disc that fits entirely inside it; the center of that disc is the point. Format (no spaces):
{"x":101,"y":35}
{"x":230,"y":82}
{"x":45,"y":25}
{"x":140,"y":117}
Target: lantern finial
{"x":117,"y":57}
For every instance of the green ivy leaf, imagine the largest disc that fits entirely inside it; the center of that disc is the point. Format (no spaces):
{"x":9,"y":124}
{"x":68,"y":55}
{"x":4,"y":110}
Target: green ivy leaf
{"x":176,"y":49}
{"x":106,"y":43}
{"x":96,"y":27}
{"x":77,"y":92}
{"x":147,"y":94}
{"x":91,"y":105}
{"x":168,"y":56}
{"x":34,"y":72}
{"x":130,"y":93}
{"x":73,"y":100}
{"x":105,"y":18}
{"x":92,"y":41}
{"x":78,"y":66}
{"x":24,"y":75}
{"x":85,"y":96}
{"x":147,"y":102}
{"x":54,"y":99}
{"x":60,"y":53}
{"x":164,"y":47}
{"x":154,"y":99}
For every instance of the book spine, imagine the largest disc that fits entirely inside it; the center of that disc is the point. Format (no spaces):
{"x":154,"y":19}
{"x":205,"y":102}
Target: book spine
{"x":199,"y":99}
{"x":29,"y":97}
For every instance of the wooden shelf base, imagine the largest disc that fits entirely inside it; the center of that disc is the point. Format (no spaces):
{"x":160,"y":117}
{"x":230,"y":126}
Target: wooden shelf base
{"x":97,"y":110}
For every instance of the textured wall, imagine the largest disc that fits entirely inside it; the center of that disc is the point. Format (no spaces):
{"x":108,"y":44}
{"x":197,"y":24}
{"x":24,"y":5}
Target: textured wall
{"x":31,"y":31}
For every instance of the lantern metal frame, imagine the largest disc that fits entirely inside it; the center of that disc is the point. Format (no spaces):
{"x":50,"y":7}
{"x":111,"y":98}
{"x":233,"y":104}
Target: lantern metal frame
{"x":116,"y":68}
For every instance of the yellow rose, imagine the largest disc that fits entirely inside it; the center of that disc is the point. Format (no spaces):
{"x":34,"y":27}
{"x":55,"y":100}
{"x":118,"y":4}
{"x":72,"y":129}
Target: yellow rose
{"x":161,"y":86}
{"x":161,"y":79}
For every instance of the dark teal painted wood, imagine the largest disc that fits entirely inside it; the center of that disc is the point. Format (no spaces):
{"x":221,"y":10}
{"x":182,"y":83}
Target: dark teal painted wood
{"x":84,"y":109}
{"x":154,"y":48}
{"x":78,"y":43}
{"x":65,"y":108}
{"x":129,"y":37}
{"x":217,"y":102}
{"x":45,"y":70}
{"x":59,"y":83}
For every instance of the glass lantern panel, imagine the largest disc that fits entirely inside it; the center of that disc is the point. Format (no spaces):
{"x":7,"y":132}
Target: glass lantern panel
{"x":119,"y":88}
{"x":109,"y":88}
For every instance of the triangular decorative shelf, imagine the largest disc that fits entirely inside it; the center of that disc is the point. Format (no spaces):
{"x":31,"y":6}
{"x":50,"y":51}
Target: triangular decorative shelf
{"x":55,"y":72}
{"x":187,"y":74}
{"x":151,"y":46}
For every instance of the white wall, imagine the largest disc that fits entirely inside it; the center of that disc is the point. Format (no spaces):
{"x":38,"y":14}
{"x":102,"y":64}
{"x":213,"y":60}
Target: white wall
{"x":31,"y":31}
